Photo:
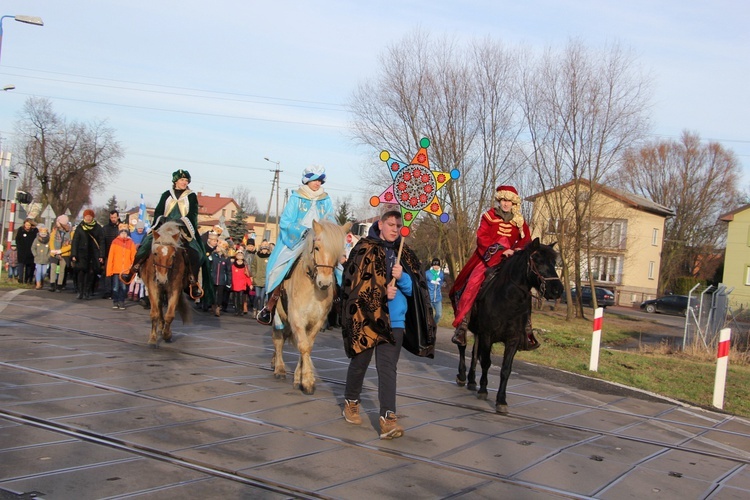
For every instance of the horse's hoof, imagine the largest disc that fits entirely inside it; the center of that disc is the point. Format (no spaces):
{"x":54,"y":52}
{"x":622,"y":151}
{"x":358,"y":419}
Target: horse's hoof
{"x":482,"y":396}
{"x":472,"y":387}
{"x":154,"y":345}
{"x":279,"y":376}
{"x":501,"y":409}
{"x":168,"y":341}
{"x":460,"y":382}
{"x":308,"y":392}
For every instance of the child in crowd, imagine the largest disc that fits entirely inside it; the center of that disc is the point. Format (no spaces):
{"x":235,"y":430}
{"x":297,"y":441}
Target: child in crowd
{"x":221,"y":277}
{"x":121,"y":256}
{"x":10,"y":260}
{"x":241,"y":282}
{"x":40,"y":250}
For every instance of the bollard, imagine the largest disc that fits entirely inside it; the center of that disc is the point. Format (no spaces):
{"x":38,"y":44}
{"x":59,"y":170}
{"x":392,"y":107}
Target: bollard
{"x":596,"y":339}
{"x":722,"y":361}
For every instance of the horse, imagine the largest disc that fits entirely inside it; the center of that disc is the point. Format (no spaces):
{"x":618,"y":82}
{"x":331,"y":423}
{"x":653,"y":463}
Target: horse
{"x":307,"y":296}
{"x":164,"y":273}
{"x":502,"y":310}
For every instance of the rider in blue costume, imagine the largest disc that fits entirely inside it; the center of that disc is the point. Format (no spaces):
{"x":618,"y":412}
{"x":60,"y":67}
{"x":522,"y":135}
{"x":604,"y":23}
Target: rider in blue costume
{"x":180,"y":204}
{"x":309,"y":202}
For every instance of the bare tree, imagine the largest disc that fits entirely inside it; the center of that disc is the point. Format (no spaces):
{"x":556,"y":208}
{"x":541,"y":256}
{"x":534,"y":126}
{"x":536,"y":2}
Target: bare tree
{"x":64,"y":161}
{"x":462,"y":99}
{"x":247,"y":203}
{"x":699,"y":181}
{"x":583,"y":108}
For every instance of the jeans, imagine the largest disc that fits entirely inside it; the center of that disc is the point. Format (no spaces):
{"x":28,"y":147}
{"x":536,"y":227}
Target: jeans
{"x":386,"y":359}
{"x":12,"y":272}
{"x":41,"y":271}
{"x":437,"y":308}
{"x":260,"y":298}
{"x":119,"y":289}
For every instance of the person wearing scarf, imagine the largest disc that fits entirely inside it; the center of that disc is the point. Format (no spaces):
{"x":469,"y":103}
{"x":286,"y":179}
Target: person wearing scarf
{"x":40,"y":250}
{"x":308,"y":203}
{"x":385,"y":305}
{"x":60,"y":244}
{"x":86,"y":253}
{"x":179,"y":204}
{"x":502,"y":231}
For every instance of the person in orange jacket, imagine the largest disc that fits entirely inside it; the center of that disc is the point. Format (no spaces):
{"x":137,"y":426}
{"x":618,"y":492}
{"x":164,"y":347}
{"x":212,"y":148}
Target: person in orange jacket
{"x":120,"y":258}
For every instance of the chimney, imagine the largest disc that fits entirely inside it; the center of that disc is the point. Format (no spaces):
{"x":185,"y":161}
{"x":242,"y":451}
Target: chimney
{"x":218,"y":195}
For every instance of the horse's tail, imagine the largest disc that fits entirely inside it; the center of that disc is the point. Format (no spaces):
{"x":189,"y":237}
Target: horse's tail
{"x":184,"y":309}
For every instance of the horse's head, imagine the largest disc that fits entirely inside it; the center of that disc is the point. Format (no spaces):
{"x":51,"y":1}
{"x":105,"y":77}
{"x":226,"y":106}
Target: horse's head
{"x":326,"y":249}
{"x":164,"y":248}
{"x":542,"y":261}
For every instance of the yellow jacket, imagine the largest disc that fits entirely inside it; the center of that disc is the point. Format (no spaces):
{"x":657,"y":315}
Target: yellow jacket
{"x":63,"y":245}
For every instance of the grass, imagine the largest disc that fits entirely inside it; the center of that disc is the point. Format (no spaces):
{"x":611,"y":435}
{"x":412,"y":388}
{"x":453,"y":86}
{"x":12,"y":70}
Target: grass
{"x":685,"y":376}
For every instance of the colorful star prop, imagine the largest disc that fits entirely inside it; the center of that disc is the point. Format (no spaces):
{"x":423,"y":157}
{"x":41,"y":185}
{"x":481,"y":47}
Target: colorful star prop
{"x":414,"y":187}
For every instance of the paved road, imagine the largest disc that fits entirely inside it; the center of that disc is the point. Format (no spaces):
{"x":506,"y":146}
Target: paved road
{"x":88,"y":411}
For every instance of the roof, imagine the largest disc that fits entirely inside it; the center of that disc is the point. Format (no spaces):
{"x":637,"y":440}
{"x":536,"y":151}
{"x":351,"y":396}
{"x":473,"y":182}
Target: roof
{"x":209,"y":205}
{"x":634,"y":200}
{"x":729,"y":216}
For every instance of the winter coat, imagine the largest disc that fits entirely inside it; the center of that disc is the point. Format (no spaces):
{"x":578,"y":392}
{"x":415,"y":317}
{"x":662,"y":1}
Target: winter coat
{"x":221,"y":272}
{"x":111,"y":232}
{"x":87,"y":243}
{"x":24,"y":239}
{"x":60,"y":239}
{"x":10,"y":257}
{"x":258,"y":270}
{"x":121,"y":256}
{"x":40,"y":249}
{"x":435,"y":282}
{"x":241,"y":280}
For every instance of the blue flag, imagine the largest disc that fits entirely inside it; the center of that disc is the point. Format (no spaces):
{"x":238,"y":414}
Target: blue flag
{"x":143,"y":214}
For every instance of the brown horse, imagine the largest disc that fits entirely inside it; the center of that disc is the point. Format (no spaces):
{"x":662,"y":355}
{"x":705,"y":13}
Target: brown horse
{"x":165,"y":275}
{"x":306,"y":300}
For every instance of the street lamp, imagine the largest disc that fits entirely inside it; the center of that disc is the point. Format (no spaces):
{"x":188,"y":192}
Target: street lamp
{"x":37,"y":21}
{"x":9,"y":87}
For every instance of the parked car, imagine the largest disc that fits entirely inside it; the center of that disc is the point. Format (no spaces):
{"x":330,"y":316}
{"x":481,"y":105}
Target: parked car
{"x":669,"y":304}
{"x":604,"y":296}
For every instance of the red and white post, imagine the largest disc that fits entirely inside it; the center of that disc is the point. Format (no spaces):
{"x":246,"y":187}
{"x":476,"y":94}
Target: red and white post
{"x":722,"y":362}
{"x":596,"y":339}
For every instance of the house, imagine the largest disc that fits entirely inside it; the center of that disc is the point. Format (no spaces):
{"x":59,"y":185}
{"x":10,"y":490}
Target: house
{"x":626,"y":233}
{"x":737,"y":256}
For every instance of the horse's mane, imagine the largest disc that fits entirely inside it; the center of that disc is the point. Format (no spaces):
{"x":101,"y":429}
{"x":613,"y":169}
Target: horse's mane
{"x":165,"y":234}
{"x":329,"y":238}
{"x":515,"y":267}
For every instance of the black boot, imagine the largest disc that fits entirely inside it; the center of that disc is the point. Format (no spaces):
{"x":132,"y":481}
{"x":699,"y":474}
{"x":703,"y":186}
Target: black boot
{"x":265,"y":315}
{"x":130,"y":274}
{"x":53,"y":287}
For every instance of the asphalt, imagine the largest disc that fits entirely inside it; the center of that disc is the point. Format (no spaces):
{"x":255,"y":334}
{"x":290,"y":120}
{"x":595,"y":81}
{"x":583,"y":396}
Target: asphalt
{"x":87,"y":410}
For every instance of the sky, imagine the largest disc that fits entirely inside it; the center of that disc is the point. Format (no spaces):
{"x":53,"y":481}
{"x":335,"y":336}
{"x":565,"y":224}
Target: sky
{"x":217,"y":87}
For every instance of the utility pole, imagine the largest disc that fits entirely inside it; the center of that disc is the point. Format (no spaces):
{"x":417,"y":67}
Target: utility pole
{"x":275,"y":184}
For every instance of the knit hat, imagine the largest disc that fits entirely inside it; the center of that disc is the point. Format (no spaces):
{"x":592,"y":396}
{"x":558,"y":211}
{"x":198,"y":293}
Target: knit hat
{"x":180,"y":174}
{"x":62,"y":220}
{"x":42,"y":228}
{"x":122,"y":227}
{"x":140,"y":225}
{"x":251,"y":241}
{"x":12,"y":243}
{"x":90,"y":212}
{"x":314,"y":173}
{"x":435,"y":262}
{"x":507,"y":193}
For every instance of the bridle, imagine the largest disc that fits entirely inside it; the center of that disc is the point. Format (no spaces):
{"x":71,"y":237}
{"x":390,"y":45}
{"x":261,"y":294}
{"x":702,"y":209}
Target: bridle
{"x":168,"y":266}
{"x":535,"y":271}
{"x":312,"y":271}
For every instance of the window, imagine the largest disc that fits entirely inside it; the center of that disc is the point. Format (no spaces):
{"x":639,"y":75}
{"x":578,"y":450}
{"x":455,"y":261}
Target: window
{"x":223,"y":212}
{"x":747,"y":275}
{"x":651,"y":266}
{"x":605,"y":269}
{"x":554,"y":226}
{"x":608,"y":234}
{"x":655,"y":237}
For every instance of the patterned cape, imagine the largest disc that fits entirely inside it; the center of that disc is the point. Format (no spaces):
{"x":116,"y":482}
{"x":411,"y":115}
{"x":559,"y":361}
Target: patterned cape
{"x":364,"y":305}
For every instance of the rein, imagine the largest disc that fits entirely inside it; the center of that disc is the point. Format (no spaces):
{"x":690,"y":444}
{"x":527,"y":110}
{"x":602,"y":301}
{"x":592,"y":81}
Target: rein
{"x":542,"y":280}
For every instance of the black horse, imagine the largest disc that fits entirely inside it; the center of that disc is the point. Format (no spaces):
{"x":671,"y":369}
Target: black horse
{"x":502,"y":310}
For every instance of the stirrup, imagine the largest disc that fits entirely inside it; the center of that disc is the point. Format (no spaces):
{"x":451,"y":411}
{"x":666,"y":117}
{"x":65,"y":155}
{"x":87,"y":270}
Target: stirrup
{"x":196,"y":292}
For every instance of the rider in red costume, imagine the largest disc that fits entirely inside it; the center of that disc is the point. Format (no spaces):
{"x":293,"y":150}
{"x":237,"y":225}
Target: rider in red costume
{"x":502,"y":231}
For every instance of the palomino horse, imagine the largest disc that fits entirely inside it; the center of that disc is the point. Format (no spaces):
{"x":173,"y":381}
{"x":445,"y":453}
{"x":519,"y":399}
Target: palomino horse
{"x":502,"y":310}
{"x":165,"y":275}
{"x":306,"y":300}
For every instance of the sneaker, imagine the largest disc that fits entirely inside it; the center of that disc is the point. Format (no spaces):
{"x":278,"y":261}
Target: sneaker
{"x":265,"y":317}
{"x":351,"y":412}
{"x":389,"y":427}
{"x":115,"y":306}
{"x":122,"y":306}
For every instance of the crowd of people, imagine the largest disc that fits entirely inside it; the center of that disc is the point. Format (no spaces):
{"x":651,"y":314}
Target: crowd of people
{"x":387,"y":299}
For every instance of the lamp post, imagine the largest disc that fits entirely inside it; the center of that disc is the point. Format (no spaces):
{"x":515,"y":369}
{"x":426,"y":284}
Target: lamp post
{"x":9,"y":87}
{"x":36,"y":21}
{"x":268,"y":210}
